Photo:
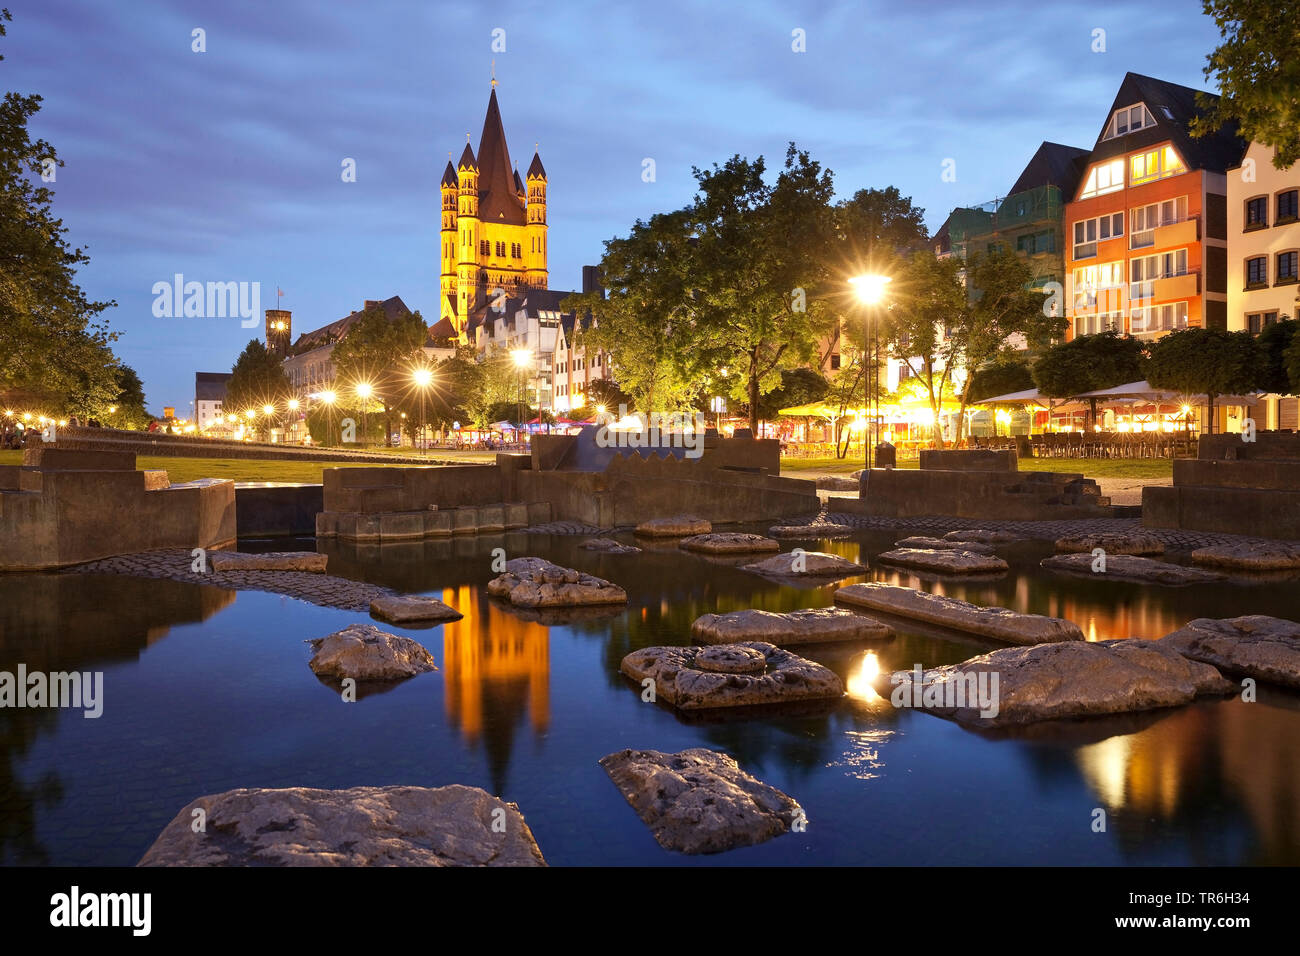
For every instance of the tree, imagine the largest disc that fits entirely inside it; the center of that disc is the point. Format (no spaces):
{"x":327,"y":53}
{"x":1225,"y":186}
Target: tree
{"x":129,"y":401}
{"x":1087,"y":364}
{"x":257,"y":379}
{"x":1257,"y":74}
{"x":879,"y":221}
{"x":760,"y":270}
{"x":1275,"y":343}
{"x":644,"y":323}
{"x":52,"y":343}
{"x":1000,"y":378}
{"x":799,"y":386}
{"x":1206,"y":361}
{"x":494,"y":387}
{"x":605,"y":391}
{"x":381,"y":352}
{"x":918,"y":328}
{"x":1000,"y":307}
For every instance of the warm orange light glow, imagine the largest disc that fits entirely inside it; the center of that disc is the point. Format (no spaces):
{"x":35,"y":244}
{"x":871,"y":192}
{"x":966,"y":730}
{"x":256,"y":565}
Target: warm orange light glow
{"x":870,"y":288}
{"x":422,"y":377}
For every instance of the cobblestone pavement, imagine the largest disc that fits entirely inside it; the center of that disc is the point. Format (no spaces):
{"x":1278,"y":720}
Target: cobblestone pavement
{"x":325,"y":590}
{"x":1173,"y":539}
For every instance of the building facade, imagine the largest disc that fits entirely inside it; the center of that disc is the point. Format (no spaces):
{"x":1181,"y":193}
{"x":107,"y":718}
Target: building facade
{"x":1263,"y":254}
{"x":493,"y":235}
{"x":209,"y":398}
{"x":1147,"y":230}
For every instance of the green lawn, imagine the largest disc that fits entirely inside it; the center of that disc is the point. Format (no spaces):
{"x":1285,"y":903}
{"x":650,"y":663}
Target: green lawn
{"x":1137,"y":468}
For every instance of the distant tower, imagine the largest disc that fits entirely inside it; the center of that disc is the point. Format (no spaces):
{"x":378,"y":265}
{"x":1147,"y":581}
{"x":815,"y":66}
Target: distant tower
{"x":447,"y":284}
{"x":279,"y":330}
{"x":537,"y":276}
{"x":467,"y":227}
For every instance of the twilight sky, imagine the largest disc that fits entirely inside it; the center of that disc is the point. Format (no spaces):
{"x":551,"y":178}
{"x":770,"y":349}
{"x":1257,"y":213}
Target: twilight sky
{"x":225,"y":165}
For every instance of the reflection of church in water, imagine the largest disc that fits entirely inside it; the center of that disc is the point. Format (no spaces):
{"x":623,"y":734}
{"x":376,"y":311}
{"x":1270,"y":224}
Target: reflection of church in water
{"x":498,"y":668}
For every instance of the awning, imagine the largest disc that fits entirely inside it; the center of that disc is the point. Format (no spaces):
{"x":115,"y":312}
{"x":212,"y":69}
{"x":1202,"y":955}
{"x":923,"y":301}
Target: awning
{"x":1144,"y":392}
{"x":1029,"y":396}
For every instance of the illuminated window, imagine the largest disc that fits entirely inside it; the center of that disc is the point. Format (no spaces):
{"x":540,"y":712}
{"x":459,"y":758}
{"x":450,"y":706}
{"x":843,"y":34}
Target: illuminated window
{"x":1088,"y":231}
{"x":1287,"y":206}
{"x":1158,"y":318}
{"x":1093,"y":285}
{"x":1286,"y":267}
{"x":1256,"y":272}
{"x":1107,"y":177}
{"x":1153,"y":164}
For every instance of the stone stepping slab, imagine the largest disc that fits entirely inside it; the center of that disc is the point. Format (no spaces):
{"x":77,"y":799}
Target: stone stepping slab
{"x":537,"y":583}
{"x":1138,"y":544}
{"x":1256,"y":645}
{"x":810,"y":532}
{"x":1123,"y":567}
{"x":1056,"y":681}
{"x":269,"y":561}
{"x":944,"y":561}
{"x":939,"y":544}
{"x":699,"y":800}
{"x":806,"y":564}
{"x":411,"y":609}
{"x":820,"y":625}
{"x":362,"y":826}
{"x":364,"y":652}
{"x":743,"y":674}
{"x":729,"y":542}
{"x":608,"y":546}
{"x":984,"y":536}
{"x":680,"y":526}
{"x":1249,"y":557}
{"x":998,"y":623}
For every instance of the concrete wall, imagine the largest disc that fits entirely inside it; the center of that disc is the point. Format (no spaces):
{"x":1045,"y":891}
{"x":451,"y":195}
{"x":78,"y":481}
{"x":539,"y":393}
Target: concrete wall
{"x":411,"y":488}
{"x":1267,"y":445}
{"x":1011,"y":496}
{"x":268,"y":511}
{"x":1227,"y":510}
{"x":954,"y":459}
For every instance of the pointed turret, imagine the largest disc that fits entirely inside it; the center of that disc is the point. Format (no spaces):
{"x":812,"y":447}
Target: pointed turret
{"x":498,"y":202}
{"x":467,"y":159}
{"x":449,"y":174}
{"x":536,"y":170}
{"x":519,"y":186}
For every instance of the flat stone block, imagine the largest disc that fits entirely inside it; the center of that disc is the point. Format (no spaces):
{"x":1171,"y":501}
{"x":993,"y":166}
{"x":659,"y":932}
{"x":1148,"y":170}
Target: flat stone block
{"x":464,"y":520}
{"x":408,"y":524}
{"x":437,"y":524}
{"x":155,"y":478}
{"x":516,"y":515}
{"x":491,"y":518}
{"x":327,"y":524}
{"x":539,"y":512}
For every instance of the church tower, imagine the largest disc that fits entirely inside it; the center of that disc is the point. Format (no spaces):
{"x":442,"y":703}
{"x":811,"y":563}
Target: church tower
{"x":537,"y":275}
{"x":447,"y":281}
{"x":467,"y":226}
{"x":495,"y":223}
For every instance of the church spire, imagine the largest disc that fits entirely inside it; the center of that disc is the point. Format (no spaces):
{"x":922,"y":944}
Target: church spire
{"x":499,"y":201}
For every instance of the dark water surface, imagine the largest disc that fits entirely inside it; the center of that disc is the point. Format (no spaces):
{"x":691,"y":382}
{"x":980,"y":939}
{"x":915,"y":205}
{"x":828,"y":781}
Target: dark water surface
{"x":207,"y":690}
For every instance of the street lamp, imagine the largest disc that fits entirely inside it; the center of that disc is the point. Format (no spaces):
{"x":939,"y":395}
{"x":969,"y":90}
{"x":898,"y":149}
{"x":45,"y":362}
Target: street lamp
{"x":329,"y":397}
{"x":422,"y":377}
{"x":522,"y":358}
{"x":870,"y":290}
{"x":364,"y":391}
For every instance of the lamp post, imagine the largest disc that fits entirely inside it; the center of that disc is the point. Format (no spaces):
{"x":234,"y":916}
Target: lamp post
{"x":328,"y":397}
{"x":870,"y":290}
{"x":522,"y":358}
{"x":422,"y":378}
{"x":364,"y":391}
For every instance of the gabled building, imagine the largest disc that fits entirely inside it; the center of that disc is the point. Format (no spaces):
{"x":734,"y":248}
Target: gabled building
{"x":1264,"y":259}
{"x":209,"y":398}
{"x":575,"y":366}
{"x":1147,"y":230}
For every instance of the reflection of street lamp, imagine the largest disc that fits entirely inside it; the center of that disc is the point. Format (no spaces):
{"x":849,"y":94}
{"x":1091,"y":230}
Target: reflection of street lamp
{"x":870,"y":290}
{"x":521,"y":357}
{"x":422,"y":377}
{"x":328,"y":397}
{"x":292,"y":406}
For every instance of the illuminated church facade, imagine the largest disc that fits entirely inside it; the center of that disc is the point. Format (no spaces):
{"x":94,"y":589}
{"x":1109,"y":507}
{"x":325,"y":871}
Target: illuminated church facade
{"x":493,"y":233}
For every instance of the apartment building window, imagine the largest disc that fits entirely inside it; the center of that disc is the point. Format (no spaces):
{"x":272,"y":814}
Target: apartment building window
{"x":1159,"y":318}
{"x":1129,"y":120}
{"x":1147,"y":219}
{"x":1257,"y":272}
{"x":1286,"y":267}
{"x":1090,"y":282}
{"x":1099,"y":322}
{"x":1144,"y":272}
{"x":1288,"y":206}
{"x":1257,"y":212}
{"x":1088,"y":231}
{"x":835,"y":361}
{"x":1153,"y":164}
{"x":1256,"y":322}
{"x":1104,"y":178}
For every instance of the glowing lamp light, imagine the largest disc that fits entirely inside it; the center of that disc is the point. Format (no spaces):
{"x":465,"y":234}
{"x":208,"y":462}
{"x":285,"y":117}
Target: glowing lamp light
{"x":521,"y":357}
{"x":111,"y":409}
{"x":1187,"y":409}
{"x":268,"y":409}
{"x":328,"y":397}
{"x":27,"y":416}
{"x":293,"y":404}
{"x":870,"y":288}
{"x":600,"y":409}
{"x":250,"y":414}
{"x":422,"y":377}
{"x":365,"y":390}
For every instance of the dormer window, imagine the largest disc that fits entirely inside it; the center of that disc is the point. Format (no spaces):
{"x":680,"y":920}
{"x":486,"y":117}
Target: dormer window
{"x":1130,"y":119}
{"x":1107,"y":177}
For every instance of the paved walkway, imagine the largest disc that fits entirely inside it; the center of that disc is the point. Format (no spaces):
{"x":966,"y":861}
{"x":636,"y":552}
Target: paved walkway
{"x":325,"y":590}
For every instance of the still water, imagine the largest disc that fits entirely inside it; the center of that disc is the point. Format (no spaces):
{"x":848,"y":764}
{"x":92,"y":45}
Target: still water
{"x":206,"y":690}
